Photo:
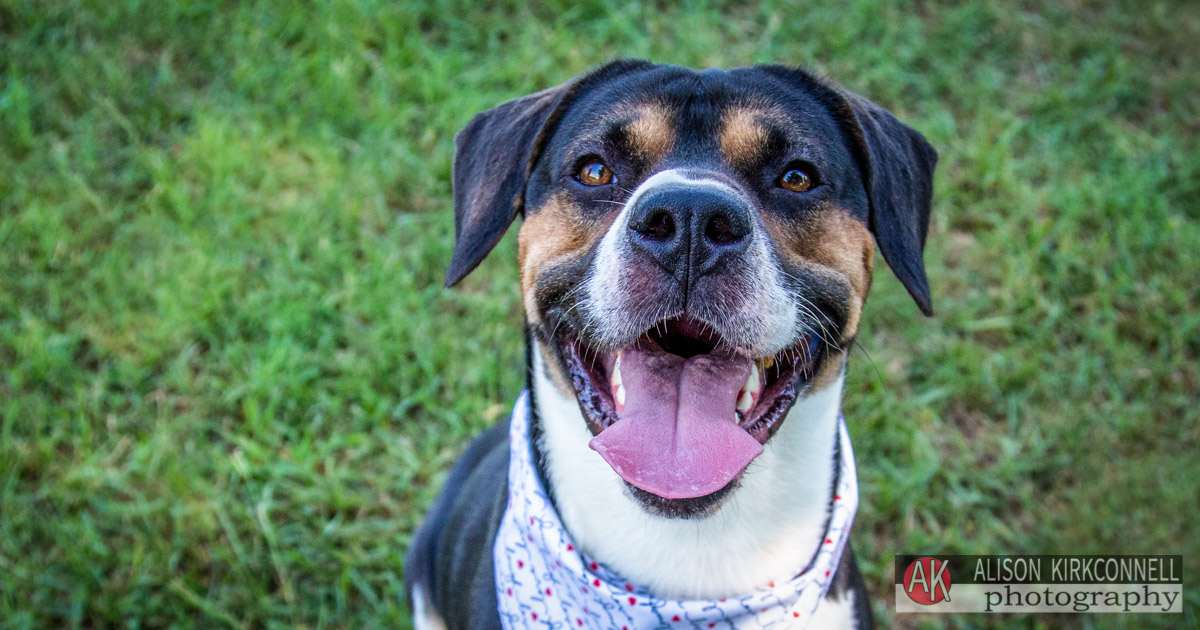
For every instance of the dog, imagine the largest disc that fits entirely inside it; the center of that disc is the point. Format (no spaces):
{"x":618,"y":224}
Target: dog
{"x":695,"y":253}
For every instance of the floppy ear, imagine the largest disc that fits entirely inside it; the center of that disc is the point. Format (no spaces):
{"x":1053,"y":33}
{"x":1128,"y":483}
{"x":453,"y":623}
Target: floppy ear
{"x":897,"y":165}
{"x":493,"y":155}
{"x":493,"y":158}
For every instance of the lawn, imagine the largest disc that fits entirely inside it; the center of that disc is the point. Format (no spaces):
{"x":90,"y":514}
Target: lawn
{"x":231,"y":382}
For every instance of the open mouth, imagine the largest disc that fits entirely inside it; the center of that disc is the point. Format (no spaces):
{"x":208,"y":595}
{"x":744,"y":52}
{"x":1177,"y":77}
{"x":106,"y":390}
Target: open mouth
{"x":679,"y":413}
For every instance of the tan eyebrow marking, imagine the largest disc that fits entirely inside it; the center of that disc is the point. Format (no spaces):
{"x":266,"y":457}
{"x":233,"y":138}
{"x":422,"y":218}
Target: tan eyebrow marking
{"x":744,"y":133}
{"x":650,"y":131}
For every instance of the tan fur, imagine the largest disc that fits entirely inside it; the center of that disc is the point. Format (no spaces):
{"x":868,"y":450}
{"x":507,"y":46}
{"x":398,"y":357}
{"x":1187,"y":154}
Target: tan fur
{"x":744,"y":133}
{"x":650,"y":131}
{"x":550,"y":235}
{"x":832,"y":243}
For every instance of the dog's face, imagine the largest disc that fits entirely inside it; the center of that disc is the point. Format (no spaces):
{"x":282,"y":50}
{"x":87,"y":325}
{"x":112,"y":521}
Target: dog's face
{"x":696,"y":251}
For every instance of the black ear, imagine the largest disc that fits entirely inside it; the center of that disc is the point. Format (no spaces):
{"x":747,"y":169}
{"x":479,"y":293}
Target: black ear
{"x":493,"y":158}
{"x":897,"y":165}
{"x":898,"y":169}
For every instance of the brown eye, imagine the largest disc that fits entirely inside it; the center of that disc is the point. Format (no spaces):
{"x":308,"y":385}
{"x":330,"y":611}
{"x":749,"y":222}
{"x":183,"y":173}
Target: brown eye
{"x":795,"y":180}
{"x":595,"y":174}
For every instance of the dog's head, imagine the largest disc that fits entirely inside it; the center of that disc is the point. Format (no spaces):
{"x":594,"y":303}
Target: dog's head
{"x":696,"y":250}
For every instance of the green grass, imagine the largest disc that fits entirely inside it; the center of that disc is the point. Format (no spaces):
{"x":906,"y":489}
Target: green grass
{"x":230,"y":381}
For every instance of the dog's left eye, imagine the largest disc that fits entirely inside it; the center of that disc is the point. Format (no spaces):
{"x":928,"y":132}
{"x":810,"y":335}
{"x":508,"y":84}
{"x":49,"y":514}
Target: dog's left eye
{"x":797,"y":179}
{"x":595,"y":173}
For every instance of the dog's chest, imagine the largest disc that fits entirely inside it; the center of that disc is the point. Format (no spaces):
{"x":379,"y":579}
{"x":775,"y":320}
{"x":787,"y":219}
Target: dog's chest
{"x":543,"y":577}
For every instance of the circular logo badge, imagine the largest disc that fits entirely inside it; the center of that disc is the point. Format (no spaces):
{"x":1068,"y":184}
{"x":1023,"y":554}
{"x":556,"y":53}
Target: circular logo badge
{"x":927,"y":581}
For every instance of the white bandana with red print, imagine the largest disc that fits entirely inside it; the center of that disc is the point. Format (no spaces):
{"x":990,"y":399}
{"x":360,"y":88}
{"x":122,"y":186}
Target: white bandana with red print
{"x":544,"y":581}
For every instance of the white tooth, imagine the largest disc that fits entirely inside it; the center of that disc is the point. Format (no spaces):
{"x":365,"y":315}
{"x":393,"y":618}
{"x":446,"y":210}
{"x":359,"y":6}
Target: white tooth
{"x":753,"y":384}
{"x":616,"y":373}
{"x":620,"y":395}
{"x":745,"y":402}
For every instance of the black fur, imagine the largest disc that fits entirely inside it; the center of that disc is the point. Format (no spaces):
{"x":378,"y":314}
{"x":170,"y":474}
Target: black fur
{"x":897,"y":165}
{"x":849,"y":579}
{"x":450,"y":556}
{"x":493,"y":157}
{"x":883,"y":172}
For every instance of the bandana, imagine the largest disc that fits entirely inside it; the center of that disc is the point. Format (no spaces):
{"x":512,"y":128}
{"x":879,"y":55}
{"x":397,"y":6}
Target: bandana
{"x":544,"y":581}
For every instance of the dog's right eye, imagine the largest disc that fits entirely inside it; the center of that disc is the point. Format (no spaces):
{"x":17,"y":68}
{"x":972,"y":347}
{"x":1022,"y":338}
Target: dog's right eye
{"x":595,"y":173}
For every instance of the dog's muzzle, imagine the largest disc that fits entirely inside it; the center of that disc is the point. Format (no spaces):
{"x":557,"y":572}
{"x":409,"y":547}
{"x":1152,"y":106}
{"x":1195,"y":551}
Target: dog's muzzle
{"x":688,"y":352}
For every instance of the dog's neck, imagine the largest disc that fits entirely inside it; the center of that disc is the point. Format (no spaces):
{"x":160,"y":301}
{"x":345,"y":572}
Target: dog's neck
{"x":766,"y":530}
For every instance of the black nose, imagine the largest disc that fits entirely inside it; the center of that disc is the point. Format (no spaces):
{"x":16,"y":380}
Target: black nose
{"x":690,"y":231}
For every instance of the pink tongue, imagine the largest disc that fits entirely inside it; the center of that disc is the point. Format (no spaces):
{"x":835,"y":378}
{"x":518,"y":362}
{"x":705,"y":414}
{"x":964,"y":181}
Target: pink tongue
{"x":678,"y":436}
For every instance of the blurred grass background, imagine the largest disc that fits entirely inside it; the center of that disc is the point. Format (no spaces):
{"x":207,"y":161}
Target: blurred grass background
{"x":230,"y":380}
